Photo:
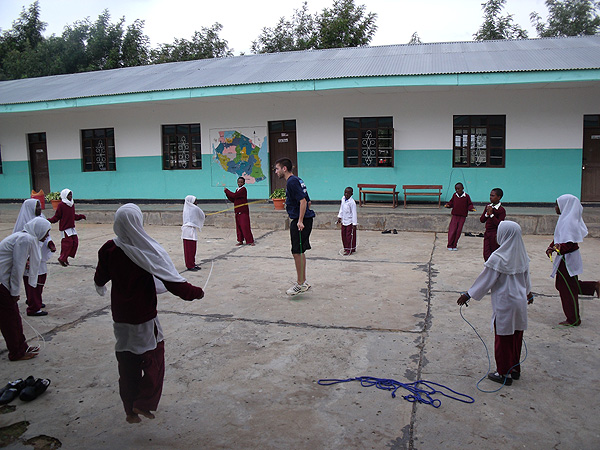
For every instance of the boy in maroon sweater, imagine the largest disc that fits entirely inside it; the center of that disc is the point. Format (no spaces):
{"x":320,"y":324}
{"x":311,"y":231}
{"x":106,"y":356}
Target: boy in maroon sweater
{"x":242,"y":212}
{"x":492,"y":215}
{"x":65,"y":213}
{"x":461,"y":204}
{"x":138,"y":267}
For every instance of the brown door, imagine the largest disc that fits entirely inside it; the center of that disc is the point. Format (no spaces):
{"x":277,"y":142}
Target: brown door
{"x":282,"y":144}
{"x":590,"y":180}
{"x":38,"y":157}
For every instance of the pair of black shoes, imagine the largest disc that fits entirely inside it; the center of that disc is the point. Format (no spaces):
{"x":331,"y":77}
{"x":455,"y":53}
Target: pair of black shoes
{"x":390,"y":231}
{"x":194,"y":269}
{"x":27,"y":389}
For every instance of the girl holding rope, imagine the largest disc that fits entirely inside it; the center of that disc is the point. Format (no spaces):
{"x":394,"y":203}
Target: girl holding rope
{"x":570,"y":230}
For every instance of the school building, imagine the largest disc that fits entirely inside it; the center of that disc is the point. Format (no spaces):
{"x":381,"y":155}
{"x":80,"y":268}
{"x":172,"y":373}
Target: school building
{"x":523,"y":115}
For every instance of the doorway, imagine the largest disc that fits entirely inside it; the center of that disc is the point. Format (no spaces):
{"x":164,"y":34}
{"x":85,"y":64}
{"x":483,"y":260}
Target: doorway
{"x":282,"y":144}
{"x":590,"y":178}
{"x":38,"y":159}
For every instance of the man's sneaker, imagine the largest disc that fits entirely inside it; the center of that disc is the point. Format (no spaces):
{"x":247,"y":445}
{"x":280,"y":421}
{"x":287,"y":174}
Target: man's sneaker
{"x":295,"y":289}
{"x":298,"y":289}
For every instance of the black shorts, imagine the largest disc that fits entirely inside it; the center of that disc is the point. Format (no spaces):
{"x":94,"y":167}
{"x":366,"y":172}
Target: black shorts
{"x":300,"y":240}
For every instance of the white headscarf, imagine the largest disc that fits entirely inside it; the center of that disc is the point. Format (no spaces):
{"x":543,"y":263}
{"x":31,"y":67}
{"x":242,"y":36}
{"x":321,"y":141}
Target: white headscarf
{"x":38,"y":228}
{"x":570,"y":226}
{"x":26,"y":213}
{"x":63,"y":196}
{"x":192,"y":215}
{"x":511,"y":257}
{"x":141,"y":248}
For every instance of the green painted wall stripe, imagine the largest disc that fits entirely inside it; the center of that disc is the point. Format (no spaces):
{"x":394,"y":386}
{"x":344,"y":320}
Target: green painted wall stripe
{"x":323,"y":172}
{"x":469,"y":79}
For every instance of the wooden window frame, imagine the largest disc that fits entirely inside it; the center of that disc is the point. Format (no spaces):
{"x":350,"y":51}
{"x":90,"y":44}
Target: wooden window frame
{"x":358,"y":141}
{"x":466,"y":129}
{"x":94,"y":142}
{"x":179,"y":143}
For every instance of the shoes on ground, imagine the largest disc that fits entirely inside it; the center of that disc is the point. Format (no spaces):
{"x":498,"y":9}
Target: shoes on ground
{"x":240,"y":243}
{"x":32,"y":392}
{"x":386,"y":232}
{"x":14,"y":388}
{"x":38,"y":313}
{"x":195,"y":269}
{"x":43,"y":305}
{"x":454,"y":249}
{"x":63,"y":263}
{"x":515,"y":375}
{"x":495,"y":376}
{"x":395,"y":231}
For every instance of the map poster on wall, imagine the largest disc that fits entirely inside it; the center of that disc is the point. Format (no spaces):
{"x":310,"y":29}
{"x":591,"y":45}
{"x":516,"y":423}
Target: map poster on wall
{"x":238,"y":152}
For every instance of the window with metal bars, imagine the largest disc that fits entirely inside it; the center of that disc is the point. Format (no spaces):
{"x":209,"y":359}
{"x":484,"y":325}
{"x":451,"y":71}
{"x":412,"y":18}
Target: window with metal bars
{"x":479,"y":141}
{"x":368,"y":142}
{"x":181,"y":147}
{"x":98,"y":149}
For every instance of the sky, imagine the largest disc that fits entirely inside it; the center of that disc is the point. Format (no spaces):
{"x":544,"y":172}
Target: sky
{"x":243,"y":20}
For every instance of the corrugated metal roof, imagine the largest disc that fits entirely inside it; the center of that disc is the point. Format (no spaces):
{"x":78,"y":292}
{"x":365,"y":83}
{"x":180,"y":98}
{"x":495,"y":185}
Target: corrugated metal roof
{"x":527,"y":55}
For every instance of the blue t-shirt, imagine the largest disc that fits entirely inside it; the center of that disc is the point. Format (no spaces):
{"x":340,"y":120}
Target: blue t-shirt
{"x":295,"y":190}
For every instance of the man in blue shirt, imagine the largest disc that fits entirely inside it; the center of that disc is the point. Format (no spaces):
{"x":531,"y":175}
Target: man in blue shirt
{"x":297,"y":204}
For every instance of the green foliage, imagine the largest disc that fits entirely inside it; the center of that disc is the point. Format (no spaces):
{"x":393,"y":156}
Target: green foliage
{"x":52,"y":196}
{"x":344,"y":25}
{"x":495,"y":26}
{"x":568,"y":18}
{"x":86,"y":46}
{"x":204,"y":44}
{"x":278,"y":193}
{"x":415,"y":39}
{"x":288,"y":35}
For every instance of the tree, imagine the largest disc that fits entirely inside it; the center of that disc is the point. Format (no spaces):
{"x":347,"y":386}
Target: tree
{"x":568,"y":18}
{"x":495,"y":26}
{"x":204,"y":44}
{"x":134,"y":49}
{"x":415,"y":39}
{"x":344,"y":25}
{"x":288,"y":35}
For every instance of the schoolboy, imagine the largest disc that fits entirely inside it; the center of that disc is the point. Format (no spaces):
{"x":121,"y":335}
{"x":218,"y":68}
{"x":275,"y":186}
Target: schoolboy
{"x":461,"y":204}
{"x":492,"y":215}
{"x":242,"y":212}
{"x":347,"y":217}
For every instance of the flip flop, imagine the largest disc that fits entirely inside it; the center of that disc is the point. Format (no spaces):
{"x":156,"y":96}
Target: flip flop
{"x":33,"y":349}
{"x":32,"y":392}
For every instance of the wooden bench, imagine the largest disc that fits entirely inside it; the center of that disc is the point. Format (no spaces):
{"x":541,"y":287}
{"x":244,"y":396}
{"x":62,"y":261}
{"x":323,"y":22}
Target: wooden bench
{"x":379,"y":189}
{"x":423,"y":188}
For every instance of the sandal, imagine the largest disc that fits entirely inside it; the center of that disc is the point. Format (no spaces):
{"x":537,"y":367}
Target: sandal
{"x":33,"y":349}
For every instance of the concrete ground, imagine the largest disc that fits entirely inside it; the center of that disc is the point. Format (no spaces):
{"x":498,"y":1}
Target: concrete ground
{"x":242,"y":364}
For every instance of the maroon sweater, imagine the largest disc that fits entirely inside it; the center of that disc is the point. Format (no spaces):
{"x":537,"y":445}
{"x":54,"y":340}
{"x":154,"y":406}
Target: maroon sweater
{"x":133,"y":293}
{"x":240,"y":197}
{"x":491,"y":223}
{"x":460,"y":205}
{"x":66,"y":215}
{"x":567,"y":247}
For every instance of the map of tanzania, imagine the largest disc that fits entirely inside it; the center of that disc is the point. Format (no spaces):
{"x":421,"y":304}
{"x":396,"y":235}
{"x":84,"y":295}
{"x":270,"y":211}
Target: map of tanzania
{"x":240,"y":152}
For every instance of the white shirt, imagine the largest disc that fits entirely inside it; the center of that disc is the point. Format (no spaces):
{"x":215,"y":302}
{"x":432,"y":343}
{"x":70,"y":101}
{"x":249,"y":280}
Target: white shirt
{"x":14,"y":251}
{"x":496,"y":206}
{"x":509,"y":298}
{"x":138,"y":338}
{"x":348,"y":212}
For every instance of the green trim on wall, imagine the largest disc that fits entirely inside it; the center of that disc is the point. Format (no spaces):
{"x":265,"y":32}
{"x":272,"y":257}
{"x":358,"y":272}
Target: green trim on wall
{"x":326,"y":178}
{"x":467,"y":79}
{"x":15,"y":181}
{"x":323,"y":173}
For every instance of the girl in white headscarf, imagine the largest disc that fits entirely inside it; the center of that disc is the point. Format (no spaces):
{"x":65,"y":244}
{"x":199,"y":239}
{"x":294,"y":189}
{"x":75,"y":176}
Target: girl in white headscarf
{"x":137,"y":265}
{"x":193,"y":221}
{"x":570,"y":230}
{"x":30,"y":209}
{"x":506,"y":274}
{"x":66,"y":217}
{"x":15,"y":250}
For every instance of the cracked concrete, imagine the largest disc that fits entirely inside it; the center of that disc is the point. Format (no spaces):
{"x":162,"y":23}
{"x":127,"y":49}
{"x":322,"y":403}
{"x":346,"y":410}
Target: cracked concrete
{"x":243,"y":363}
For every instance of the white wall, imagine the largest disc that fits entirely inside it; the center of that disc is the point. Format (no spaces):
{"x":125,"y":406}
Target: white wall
{"x":536,"y":118}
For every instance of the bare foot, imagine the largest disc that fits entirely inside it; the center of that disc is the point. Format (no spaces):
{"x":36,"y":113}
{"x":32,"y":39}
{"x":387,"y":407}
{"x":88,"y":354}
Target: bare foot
{"x":26,"y":356}
{"x":146,"y":414}
{"x":133,"y":418}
